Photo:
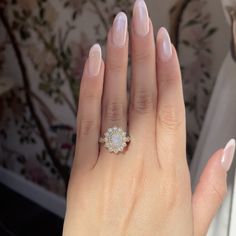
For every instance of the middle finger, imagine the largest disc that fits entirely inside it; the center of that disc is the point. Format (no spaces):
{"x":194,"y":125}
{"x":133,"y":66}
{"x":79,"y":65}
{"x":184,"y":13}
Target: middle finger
{"x":114,"y":105}
{"x":142,"y":117}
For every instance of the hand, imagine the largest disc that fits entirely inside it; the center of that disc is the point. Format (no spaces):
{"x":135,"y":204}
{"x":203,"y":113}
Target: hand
{"x":146,"y":189}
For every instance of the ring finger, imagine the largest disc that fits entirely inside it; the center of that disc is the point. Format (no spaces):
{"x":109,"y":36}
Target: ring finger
{"x":114,"y":104}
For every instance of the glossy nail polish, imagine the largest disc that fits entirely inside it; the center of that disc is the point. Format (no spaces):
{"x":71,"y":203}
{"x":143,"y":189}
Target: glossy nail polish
{"x":228,"y":155}
{"x":164,"y":45}
{"x":119,"y":30}
{"x":94,"y":61}
{"x":141,"y":18}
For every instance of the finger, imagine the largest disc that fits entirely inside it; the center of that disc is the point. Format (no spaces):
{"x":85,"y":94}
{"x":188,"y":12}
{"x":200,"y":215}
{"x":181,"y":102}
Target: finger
{"x":211,"y":189}
{"x":89,"y":111}
{"x":114,"y":108}
{"x":143,"y":100}
{"x":171,"y":140}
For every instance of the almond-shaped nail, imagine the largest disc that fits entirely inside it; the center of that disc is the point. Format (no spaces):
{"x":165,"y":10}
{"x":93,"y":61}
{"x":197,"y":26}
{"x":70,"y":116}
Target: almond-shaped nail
{"x":119,"y":29}
{"x":228,"y":155}
{"x":164,"y":45}
{"x":94,"y":61}
{"x":141,"y":18}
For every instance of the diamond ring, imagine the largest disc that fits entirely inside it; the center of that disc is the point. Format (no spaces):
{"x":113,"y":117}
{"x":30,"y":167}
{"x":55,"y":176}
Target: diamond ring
{"x":115,"y":139}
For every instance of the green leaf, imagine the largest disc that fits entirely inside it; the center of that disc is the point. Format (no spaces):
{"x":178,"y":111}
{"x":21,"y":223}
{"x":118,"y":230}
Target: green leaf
{"x":210,"y":32}
{"x":52,"y":39}
{"x":66,"y":4}
{"x":16,"y":14}
{"x":208,"y":50}
{"x":48,"y":164}
{"x":24,"y":33}
{"x":21,"y":159}
{"x":53,"y":170}
{"x":205,"y":91}
{"x":191,"y":22}
{"x":186,"y":42}
{"x":33,"y":140}
{"x":205,"y":25}
{"x":74,"y":15}
{"x":26,"y":13}
{"x":42,"y":13}
{"x":15,"y":25}
{"x":207,"y":74}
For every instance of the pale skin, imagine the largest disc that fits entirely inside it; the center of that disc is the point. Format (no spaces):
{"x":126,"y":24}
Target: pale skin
{"x":145,"y":190}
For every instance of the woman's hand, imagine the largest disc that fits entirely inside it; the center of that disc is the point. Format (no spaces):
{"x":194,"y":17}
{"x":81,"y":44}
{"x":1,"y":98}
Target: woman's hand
{"x":146,"y":189}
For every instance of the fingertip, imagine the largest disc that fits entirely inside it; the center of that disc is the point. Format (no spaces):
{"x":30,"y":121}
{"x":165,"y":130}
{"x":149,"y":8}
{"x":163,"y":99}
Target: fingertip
{"x":228,"y":155}
{"x":164,"y":45}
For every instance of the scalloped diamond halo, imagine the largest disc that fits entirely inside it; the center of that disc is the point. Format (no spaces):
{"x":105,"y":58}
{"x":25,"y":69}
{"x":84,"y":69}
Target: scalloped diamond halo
{"x":115,"y":139}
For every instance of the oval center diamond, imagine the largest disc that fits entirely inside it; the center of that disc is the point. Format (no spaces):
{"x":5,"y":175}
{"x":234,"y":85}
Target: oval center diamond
{"x":117,"y":140}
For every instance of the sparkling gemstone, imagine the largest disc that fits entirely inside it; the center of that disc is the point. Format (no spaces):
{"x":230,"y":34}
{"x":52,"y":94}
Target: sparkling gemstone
{"x":117,"y":140}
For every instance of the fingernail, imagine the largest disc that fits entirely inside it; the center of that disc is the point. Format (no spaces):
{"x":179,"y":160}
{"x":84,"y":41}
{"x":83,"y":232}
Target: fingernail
{"x":95,"y":59}
{"x":141,"y":18}
{"x":228,"y":155}
{"x":119,"y":30}
{"x":164,"y":45}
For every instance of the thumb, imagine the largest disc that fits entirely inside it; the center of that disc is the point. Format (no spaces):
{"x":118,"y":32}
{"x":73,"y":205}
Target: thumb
{"x":211,"y":189}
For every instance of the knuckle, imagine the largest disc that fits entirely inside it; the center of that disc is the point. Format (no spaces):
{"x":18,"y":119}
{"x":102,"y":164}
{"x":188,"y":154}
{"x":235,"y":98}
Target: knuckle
{"x":171,"y":195}
{"x":114,"y":111}
{"x":90,"y":97}
{"x":114,"y":64}
{"x":219,"y":191}
{"x":86,"y":127}
{"x":170,"y":118}
{"x":142,"y":56}
{"x":169,"y":80}
{"x":143,"y":102}
{"x":174,"y":193}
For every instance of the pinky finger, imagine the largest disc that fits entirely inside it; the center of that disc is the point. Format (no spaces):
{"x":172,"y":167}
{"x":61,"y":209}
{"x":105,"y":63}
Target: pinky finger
{"x":89,"y":112}
{"x":211,"y":189}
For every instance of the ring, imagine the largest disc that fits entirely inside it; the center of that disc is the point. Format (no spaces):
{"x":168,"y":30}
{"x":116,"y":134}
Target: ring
{"x":115,"y":139}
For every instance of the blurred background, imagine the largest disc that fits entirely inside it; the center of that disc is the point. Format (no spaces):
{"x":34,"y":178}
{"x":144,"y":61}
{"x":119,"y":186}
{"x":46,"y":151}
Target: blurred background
{"x":43,"y":47}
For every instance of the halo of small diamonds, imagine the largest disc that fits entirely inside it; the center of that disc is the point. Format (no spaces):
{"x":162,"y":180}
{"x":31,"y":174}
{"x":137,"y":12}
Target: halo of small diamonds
{"x":115,"y":140}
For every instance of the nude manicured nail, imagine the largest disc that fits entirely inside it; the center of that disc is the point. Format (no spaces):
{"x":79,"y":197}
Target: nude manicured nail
{"x":141,"y":18}
{"x":94,"y":61}
{"x":164,"y":45}
{"x":119,"y":30}
{"x":228,"y":155}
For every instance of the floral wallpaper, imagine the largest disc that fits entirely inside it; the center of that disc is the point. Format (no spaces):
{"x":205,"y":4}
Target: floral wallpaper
{"x":195,"y":43}
{"x":47,"y":42}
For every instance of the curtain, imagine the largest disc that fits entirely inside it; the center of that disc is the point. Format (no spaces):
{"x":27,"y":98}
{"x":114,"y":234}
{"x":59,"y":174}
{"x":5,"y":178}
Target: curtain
{"x":219,"y":126}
